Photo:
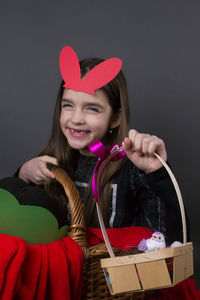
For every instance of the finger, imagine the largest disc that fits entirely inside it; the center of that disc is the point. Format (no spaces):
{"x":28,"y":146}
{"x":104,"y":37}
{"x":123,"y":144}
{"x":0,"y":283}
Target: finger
{"x":126,"y":144}
{"x":49,"y":159}
{"x":48,"y":173}
{"x":130,"y":140}
{"x":145,"y":145}
{"x":38,"y":180}
{"x":132,"y":135}
{"x":157,"y":145}
{"x":152,"y":148}
{"x":138,"y":142}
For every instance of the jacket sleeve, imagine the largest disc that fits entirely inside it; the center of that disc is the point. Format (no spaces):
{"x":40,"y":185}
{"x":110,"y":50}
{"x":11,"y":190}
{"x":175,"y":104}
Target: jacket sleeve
{"x":160,"y":183}
{"x":157,"y":202}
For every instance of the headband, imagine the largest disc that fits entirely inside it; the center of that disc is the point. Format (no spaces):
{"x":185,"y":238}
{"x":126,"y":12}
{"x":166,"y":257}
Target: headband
{"x":99,"y":76}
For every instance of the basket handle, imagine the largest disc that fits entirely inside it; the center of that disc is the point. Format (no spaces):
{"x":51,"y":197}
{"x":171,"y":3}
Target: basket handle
{"x":77,"y":230}
{"x":98,"y":183}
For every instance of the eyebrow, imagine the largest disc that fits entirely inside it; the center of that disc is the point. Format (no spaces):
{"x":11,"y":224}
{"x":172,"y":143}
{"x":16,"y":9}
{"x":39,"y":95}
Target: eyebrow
{"x":86,"y":103}
{"x":66,"y":100}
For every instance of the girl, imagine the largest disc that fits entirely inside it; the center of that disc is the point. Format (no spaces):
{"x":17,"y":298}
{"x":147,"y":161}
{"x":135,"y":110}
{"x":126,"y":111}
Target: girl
{"x":137,"y":189}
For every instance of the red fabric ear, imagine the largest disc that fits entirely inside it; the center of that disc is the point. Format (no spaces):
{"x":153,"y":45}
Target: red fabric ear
{"x":99,"y":76}
{"x":69,"y":66}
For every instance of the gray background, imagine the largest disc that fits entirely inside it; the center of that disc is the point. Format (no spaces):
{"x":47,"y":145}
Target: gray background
{"x":159,"y":44}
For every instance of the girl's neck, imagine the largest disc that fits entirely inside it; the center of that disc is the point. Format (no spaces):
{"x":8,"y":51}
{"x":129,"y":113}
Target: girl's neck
{"x":86,"y":152}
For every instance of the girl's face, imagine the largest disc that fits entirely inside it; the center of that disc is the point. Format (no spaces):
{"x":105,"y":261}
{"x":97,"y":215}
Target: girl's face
{"x":85,"y":118}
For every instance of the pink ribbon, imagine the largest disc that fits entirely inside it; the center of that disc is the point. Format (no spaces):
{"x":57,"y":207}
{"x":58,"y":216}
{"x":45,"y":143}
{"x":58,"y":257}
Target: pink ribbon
{"x":102,"y":153}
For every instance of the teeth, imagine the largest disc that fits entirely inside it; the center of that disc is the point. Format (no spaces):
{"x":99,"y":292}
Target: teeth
{"x":79,"y":131}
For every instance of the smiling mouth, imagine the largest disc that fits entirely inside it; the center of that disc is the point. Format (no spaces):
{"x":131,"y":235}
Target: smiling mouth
{"x":78,"y":132}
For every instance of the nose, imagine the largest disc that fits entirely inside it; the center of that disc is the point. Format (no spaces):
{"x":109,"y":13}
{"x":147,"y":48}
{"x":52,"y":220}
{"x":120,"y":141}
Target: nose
{"x":77,"y":117}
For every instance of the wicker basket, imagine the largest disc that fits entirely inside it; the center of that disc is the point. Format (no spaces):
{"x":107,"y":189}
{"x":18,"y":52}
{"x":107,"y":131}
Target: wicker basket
{"x":95,"y":285}
{"x":144,"y":273}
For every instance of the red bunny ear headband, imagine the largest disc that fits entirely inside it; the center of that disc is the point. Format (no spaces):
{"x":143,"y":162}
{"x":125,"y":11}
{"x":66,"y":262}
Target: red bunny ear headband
{"x":99,"y":76}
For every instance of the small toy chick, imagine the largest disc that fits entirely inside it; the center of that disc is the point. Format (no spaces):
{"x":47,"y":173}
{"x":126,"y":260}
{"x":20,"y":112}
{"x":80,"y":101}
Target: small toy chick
{"x":156,"y":242}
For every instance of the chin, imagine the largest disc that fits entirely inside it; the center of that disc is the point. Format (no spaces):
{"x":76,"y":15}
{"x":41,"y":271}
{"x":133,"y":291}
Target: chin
{"x":77,"y":145}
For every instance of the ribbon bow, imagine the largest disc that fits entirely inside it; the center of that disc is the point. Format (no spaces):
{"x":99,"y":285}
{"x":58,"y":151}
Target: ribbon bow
{"x":114,"y":153}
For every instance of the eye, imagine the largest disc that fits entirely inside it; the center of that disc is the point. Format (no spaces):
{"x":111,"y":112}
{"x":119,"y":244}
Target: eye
{"x":66,"y":106}
{"x":93,"y":109}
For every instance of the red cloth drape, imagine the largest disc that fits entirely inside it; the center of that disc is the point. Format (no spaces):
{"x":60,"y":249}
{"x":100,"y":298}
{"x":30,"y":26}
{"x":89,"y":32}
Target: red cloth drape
{"x":121,"y":238}
{"x":185,"y":290}
{"x":47,"y":271}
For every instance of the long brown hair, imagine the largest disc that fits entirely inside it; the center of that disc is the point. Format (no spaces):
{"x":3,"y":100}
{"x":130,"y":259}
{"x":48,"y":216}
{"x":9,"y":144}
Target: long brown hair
{"x":116,"y":92}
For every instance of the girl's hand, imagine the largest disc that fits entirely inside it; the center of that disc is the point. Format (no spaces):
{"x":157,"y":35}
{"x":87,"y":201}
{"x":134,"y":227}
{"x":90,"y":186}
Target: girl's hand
{"x":140,"y":149}
{"x":36,"y":171}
